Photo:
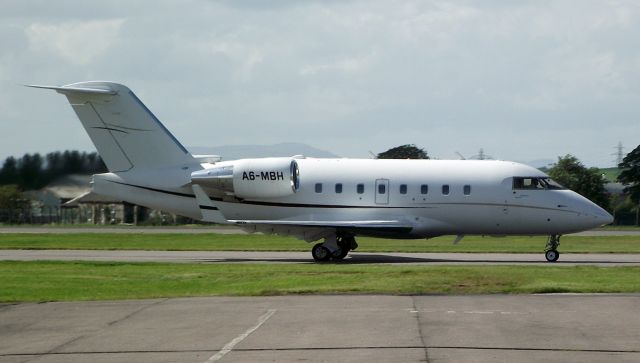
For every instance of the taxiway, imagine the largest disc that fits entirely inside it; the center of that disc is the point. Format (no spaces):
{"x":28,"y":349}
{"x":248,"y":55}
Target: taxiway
{"x":566,"y":259}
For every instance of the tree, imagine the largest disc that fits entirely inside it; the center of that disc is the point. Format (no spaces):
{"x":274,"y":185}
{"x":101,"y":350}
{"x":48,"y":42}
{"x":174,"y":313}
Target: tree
{"x":9,"y":172}
{"x":10,"y":197}
{"x":587,"y":182}
{"x":630,"y":175}
{"x":32,"y":171}
{"x":409,"y":151}
{"x":12,"y":204}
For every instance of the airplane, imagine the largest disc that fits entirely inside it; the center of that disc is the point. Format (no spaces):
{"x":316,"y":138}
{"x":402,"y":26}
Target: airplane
{"x":317,"y":199}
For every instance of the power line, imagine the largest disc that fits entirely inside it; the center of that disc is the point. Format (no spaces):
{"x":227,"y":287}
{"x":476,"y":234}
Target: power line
{"x":481,"y":155}
{"x":619,"y":154}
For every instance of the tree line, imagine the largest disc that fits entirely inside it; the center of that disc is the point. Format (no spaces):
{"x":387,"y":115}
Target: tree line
{"x":34,"y":171}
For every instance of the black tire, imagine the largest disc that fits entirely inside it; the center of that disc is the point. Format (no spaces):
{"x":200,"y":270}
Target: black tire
{"x":320,"y":253}
{"x":340,"y":253}
{"x":552,"y":255}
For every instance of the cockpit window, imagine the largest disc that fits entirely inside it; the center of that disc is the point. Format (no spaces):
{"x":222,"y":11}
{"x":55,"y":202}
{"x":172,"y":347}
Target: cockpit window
{"x":535,"y":183}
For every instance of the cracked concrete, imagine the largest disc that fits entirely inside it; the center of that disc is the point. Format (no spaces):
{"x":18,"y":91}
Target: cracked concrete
{"x":363,"y":328}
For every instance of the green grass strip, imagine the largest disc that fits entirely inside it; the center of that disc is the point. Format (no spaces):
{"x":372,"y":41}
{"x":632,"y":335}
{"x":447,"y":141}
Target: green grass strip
{"x":258,"y":242}
{"x":66,"y":281}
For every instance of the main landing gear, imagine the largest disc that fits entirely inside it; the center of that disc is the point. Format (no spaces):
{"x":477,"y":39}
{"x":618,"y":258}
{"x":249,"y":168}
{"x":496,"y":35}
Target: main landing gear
{"x":334,"y":247}
{"x":551,"y":252}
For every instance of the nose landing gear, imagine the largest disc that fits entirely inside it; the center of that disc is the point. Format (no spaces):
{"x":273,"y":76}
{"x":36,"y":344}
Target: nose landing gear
{"x":551,"y":253}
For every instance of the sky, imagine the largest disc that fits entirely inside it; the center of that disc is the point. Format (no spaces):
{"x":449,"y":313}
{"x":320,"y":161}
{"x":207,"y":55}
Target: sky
{"x":523,"y":80}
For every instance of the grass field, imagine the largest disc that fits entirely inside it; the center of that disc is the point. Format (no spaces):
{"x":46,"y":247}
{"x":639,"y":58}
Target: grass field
{"x":611,"y":173}
{"x":64,"y":281}
{"x":257,"y":242}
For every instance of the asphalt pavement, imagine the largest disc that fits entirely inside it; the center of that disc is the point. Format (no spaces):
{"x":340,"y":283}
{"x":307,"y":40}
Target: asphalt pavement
{"x":365,"y":328}
{"x":568,"y":259}
{"x":345,"y":328}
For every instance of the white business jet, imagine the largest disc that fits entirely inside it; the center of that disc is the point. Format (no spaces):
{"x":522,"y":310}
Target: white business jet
{"x":333,"y":200}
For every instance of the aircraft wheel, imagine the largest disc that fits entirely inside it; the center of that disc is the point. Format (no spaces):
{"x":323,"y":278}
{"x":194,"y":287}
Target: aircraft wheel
{"x":552,"y":255}
{"x":320,"y":253}
{"x":340,"y":253}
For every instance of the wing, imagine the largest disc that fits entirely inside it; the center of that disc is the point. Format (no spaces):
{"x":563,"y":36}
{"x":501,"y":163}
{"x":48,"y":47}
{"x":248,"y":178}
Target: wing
{"x":314,"y":230}
{"x":309,"y":230}
{"x":331,"y":224}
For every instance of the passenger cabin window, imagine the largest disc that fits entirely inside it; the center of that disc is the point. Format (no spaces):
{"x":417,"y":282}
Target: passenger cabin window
{"x":424,"y":189}
{"x":318,"y":187}
{"x":445,"y":189}
{"x":360,"y":188}
{"x":403,"y":188}
{"x":467,"y":189}
{"x":382,"y":189}
{"x":339,"y":188}
{"x":535,"y":183}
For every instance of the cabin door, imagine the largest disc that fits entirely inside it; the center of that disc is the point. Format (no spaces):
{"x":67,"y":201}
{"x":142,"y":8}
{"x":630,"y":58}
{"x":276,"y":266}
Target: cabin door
{"x":382,"y":191}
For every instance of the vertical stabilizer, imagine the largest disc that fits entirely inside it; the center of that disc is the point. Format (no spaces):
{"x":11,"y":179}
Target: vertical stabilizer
{"x":125,"y":133}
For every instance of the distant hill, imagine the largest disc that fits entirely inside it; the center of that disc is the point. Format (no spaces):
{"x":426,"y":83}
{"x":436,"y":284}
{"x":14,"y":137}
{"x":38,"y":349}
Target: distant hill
{"x":232,"y":152}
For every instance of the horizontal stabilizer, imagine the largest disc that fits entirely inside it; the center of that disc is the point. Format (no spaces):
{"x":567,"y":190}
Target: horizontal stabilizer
{"x":69,"y":89}
{"x":91,"y":198}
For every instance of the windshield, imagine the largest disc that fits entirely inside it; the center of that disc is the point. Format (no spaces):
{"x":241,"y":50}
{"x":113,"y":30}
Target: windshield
{"x":536,"y":183}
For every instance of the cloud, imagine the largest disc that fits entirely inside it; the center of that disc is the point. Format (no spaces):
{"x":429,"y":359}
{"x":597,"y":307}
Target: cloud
{"x":516,"y":78}
{"x":245,"y":57}
{"x":77,"y":42}
{"x":344,"y":65}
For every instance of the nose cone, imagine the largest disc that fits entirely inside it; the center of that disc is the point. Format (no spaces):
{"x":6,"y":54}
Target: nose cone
{"x":605,"y":218}
{"x":589,"y":214}
{"x":600,"y":216}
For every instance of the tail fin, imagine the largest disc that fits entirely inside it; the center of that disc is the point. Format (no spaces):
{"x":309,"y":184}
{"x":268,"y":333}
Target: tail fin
{"x":125,"y":133}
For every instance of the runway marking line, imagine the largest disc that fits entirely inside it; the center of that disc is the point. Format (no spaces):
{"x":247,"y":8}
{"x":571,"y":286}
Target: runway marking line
{"x":229,"y":346}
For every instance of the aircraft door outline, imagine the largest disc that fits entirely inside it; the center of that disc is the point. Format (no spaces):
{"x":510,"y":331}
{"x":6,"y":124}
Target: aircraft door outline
{"x":382,"y":191}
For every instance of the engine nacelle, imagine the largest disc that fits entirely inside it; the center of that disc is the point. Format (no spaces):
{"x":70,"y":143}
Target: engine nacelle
{"x":253,"y":178}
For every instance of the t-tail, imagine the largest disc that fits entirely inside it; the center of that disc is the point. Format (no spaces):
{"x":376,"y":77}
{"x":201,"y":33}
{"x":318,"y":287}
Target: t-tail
{"x":125,"y":133}
{"x":147,"y":165}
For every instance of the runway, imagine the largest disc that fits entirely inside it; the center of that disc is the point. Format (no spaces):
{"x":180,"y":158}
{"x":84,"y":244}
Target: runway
{"x":508,"y":328}
{"x":568,"y":259}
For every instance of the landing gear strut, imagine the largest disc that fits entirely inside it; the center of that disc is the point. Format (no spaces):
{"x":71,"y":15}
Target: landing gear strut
{"x":334,"y":247}
{"x":551,"y":252}
{"x":345,"y":244}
